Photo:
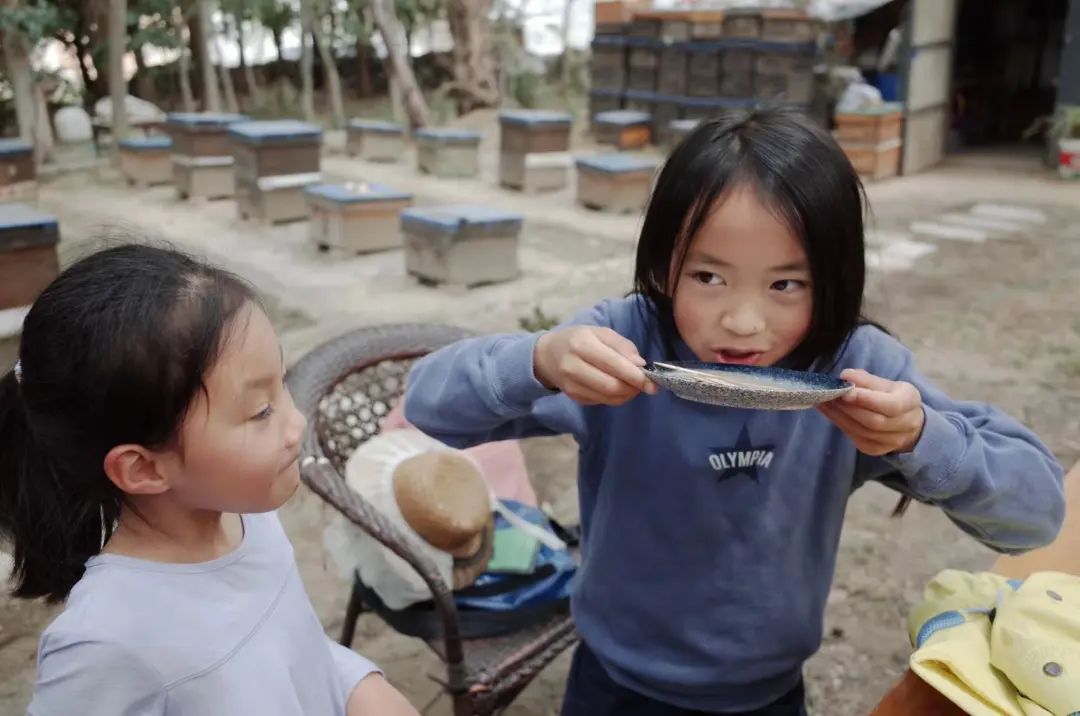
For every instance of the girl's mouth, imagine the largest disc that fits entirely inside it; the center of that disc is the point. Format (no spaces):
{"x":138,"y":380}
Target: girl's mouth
{"x":737,"y":357}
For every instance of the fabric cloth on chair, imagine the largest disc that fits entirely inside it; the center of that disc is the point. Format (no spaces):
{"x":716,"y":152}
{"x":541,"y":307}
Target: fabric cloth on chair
{"x":996,"y":646}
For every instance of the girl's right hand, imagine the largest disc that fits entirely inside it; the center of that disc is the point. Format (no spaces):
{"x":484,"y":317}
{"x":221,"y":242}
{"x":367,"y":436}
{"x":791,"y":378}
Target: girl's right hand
{"x":592,"y":365}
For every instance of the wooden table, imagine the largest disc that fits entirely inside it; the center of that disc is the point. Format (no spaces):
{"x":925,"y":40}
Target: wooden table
{"x":913,"y":695}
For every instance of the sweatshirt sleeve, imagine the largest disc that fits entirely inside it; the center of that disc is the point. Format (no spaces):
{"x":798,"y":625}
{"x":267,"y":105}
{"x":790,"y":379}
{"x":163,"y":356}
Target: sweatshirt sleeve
{"x":992,"y":476}
{"x":94,"y":679}
{"x":352,"y":668}
{"x":485,"y":389}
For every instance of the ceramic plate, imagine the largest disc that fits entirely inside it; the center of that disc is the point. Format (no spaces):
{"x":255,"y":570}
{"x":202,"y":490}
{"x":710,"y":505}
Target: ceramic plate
{"x":743,"y":386}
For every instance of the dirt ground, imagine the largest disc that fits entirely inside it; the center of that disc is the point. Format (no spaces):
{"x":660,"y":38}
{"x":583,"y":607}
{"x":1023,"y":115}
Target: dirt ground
{"x":990,"y":320}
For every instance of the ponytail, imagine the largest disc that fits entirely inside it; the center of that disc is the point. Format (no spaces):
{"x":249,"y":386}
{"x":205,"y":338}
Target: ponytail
{"x":52,"y":524}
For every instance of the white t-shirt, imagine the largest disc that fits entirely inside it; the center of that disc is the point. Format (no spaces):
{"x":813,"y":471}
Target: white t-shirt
{"x":236,"y":635}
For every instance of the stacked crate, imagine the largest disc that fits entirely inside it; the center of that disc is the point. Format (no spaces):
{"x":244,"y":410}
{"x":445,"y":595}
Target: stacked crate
{"x":202,"y":160}
{"x":275,"y":162}
{"x":18,"y":172}
{"x":689,"y":64}
{"x":871,"y":139}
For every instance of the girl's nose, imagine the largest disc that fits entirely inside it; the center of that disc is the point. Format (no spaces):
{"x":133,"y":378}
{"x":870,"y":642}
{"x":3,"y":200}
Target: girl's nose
{"x":743,"y":320}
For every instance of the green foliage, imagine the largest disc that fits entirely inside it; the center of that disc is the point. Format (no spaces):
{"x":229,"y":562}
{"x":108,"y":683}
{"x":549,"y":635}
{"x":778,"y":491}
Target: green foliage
{"x":36,"y":19}
{"x":149,"y":23}
{"x":538,"y":321}
{"x":274,"y":15}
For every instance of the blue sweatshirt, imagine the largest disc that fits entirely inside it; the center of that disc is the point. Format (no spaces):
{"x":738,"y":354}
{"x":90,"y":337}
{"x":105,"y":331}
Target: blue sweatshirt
{"x":710,"y":534}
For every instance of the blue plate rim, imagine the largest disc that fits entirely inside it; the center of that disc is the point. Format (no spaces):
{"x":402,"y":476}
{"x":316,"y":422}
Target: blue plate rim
{"x":828,"y":383}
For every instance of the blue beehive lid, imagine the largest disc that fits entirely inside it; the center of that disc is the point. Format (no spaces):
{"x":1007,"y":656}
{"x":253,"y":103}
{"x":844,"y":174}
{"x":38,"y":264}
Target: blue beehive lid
{"x":451,"y":136}
{"x":535,"y":117}
{"x":684,"y":125}
{"x":376,"y":126}
{"x":146,"y":143}
{"x":461,"y":220}
{"x":615,"y":41}
{"x":718,"y":102}
{"x":617,"y":163}
{"x":203,"y":119}
{"x":23,"y":216}
{"x":622,"y":118}
{"x":356,"y":193}
{"x":646,"y":43}
{"x":14,"y":147}
{"x":606,"y":93}
{"x":786,"y":48}
{"x":643,"y":96}
{"x":268,"y":132}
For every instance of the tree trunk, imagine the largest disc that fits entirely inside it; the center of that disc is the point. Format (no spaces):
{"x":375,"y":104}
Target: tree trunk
{"x":330,"y":75}
{"x":184,"y":62}
{"x":17,"y":66}
{"x":254,"y":90}
{"x":276,"y":34}
{"x":366,"y":86}
{"x":231,"y":105}
{"x":475,"y":81}
{"x":117,"y":86}
{"x":564,"y":59}
{"x":307,"y":80}
{"x":201,"y":41}
{"x":400,"y":70}
{"x":44,"y":140}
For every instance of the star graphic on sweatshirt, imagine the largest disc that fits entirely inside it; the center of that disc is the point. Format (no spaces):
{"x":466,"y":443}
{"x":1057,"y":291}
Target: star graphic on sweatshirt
{"x":743,"y":458}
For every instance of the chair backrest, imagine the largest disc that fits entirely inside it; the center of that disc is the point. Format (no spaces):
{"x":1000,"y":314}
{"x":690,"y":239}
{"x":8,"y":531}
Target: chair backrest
{"x":352,"y":411}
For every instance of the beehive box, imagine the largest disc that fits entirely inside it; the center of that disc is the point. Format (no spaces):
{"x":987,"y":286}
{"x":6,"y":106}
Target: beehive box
{"x":672,"y":74}
{"x":706,"y":24}
{"x":662,"y":109}
{"x":275,"y":161}
{"x":355,"y":217}
{"x":275,"y":199}
{"x":204,"y":177}
{"x":604,"y":100}
{"x":201,"y":134}
{"x":870,"y":126}
{"x":746,"y":24}
{"x":18,"y":174}
{"x":375,"y":141}
{"x":737,"y":68}
{"x":784,"y":71}
{"x":703,"y":68}
{"x":874,"y":161}
{"x":626,"y":129}
{"x":608,"y":67}
{"x":617,"y":11}
{"x":146,"y":161}
{"x":525,"y":131}
{"x":710,"y":107}
{"x":275,"y":148}
{"x":643,"y":63}
{"x":616,"y":183}
{"x":536,"y":172}
{"x":448,"y":153}
{"x":28,"y":256}
{"x":788,"y":26}
{"x":463,"y":245}
{"x":680,"y":129}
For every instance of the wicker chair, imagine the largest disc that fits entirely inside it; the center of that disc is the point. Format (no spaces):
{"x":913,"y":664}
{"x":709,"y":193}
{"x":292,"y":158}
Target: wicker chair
{"x":344,"y":388}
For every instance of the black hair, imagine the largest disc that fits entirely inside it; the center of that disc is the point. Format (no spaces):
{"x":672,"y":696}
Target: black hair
{"x":796,"y":168}
{"x":112,"y":352}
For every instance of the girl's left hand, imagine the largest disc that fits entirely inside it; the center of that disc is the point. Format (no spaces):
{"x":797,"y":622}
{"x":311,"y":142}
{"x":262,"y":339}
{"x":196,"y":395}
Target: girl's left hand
{"x":880,"y":416}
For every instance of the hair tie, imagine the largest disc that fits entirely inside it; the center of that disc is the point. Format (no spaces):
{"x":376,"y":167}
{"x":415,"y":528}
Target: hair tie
{"x":18,"y":372}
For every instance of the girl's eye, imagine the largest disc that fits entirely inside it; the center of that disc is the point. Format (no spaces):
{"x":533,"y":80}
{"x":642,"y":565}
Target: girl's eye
{"x":788,"y":285}
{"x":264,"y":413}
{"x":707,"y":278}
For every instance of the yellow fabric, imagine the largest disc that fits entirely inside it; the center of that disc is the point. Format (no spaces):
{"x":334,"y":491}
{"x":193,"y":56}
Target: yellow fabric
{"x":999,"y":668}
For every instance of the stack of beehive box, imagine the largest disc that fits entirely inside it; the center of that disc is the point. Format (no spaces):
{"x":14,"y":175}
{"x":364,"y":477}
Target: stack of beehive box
{"x":695,"y":63}
{"x":871,"y":139}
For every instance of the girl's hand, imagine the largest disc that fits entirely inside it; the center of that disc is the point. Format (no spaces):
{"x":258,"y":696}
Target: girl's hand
{"x":880,"y":416}
{"x":592,"y":365}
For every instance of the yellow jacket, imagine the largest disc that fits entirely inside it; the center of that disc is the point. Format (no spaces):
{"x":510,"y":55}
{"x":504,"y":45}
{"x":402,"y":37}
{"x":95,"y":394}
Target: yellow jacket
{"x":996,"y":646}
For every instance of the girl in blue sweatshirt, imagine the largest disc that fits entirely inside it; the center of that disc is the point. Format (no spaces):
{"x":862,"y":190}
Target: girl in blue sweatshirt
{"x":710,"y":535}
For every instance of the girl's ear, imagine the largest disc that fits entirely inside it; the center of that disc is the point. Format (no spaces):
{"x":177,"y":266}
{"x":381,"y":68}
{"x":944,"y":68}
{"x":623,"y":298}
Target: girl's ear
{"x":135,"y":470}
